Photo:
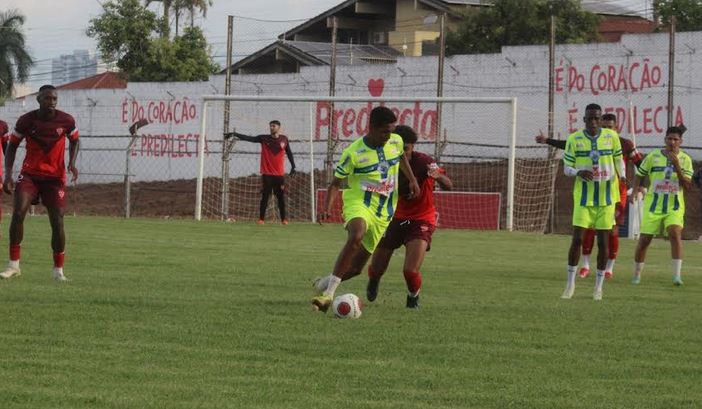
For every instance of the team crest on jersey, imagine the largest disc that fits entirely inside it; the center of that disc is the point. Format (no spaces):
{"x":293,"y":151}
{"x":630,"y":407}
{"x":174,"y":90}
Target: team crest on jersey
{"x":282,"y":145}
{"x":61,"y":193}
{"x":59,"y":131}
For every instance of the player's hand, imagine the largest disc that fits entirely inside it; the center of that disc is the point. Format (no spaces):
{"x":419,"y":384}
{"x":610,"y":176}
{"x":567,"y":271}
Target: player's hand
{"x":540,"y":138}
{"x":413,"y":189}
{"x":585,"y":174}
{"x":434,"y":173}
{"x":292,"y":171}
{"x":8,"y":185}
{"x":74,"y":173}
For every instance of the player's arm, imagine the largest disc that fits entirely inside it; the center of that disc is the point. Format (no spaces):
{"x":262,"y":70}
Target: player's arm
{"x":332,"y":192}
{"x":556,"y":143}
{"x":439,"y":175}
{"x":8,"y":184}
{"x":569,"y":163}
{"x":406,"y":169}
{"x":73,"y":147}
{"x":684,"y":172}
{"x":642,"y":172}
{"x":618,"y":157}
{"x":289,"y":153}
{"x":243,"y":137}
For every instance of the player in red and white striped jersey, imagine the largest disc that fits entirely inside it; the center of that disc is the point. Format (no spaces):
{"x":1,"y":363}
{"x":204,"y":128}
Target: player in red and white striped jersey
{"x":43,"y":174}
{"x":413,"y":223}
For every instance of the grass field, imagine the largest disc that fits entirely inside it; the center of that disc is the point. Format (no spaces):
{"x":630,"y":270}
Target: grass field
{"x":179,"y":314}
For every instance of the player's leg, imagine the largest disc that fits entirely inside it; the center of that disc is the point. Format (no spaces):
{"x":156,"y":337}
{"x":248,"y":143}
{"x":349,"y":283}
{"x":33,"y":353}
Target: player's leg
{"x":588,"y":243}
{"x":391,"y":240}
{"x":602,"y":257}
{"x":356,"y":229}
{"x":279,"y":191}
{"x":651,"y":225}
{"x":573,"y":258}
{"x":415,"y":250}
{"x":676,"y":251}
{"x":614,"y":238}
{"x":24,"y":194}
{"x":53,"y":195}
{"x":266,"y":188}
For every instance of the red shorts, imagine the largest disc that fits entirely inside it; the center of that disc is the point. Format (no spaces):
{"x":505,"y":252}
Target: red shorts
{"x":401,"y":232}
{"x":52,"y":191}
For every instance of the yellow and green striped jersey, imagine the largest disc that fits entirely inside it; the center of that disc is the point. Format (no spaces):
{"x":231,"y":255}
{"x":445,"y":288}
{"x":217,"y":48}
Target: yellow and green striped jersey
{"x":664,"y":193}
{"x":372,"y":175}
{"x":600,"y":154}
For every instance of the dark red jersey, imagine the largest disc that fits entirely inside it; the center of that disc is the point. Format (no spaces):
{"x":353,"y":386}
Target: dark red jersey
{"x":421,"y":207}
{"x":273,"y":154}
{"x":46,"y":142}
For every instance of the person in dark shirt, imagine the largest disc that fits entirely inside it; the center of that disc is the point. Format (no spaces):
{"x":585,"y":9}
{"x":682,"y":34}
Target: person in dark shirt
{"x":274,"y":147}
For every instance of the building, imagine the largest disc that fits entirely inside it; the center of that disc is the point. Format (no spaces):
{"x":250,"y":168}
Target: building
{"x":73,"y":67}
{"x":381,"y":30}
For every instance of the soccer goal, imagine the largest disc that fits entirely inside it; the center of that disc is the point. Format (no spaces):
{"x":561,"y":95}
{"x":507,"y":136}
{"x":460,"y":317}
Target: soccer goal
{"x":473,"y":139}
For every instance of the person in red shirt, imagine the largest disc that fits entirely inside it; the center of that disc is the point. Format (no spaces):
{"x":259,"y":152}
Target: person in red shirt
{"x":43,"y":174}
{"x":274,"y":147}
{"x":412,"y":224}
{"x":630,"y":155}
{"x":4,"y":135}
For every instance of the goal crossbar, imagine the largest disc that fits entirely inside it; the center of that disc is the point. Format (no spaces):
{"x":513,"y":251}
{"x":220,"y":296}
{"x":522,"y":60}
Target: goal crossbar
{"x":207,"y":99}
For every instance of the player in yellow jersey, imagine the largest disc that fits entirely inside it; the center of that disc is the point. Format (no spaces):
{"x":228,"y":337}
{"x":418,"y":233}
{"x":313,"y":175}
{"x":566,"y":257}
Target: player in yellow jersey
{"x":370,"y":165}
{"x":669,"y":171}
{"x":594,"y":157}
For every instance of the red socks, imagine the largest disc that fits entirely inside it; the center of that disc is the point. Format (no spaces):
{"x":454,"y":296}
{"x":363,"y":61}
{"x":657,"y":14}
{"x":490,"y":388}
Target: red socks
{"x":613,"y":244}
{"x":15,"y":252}
{"x":58,"y":259}
{"x":588,"y":241}
{"x":413,"y":280}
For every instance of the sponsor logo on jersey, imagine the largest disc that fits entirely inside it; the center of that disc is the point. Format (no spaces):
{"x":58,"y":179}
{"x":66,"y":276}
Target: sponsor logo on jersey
{"x":384,"y":187}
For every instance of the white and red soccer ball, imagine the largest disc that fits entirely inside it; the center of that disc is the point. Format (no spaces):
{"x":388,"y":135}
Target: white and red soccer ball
{"x":347,"y":306}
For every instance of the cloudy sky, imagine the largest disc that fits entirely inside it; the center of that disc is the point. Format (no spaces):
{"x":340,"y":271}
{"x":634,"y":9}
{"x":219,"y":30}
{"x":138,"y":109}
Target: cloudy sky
{"x":53,"y":31}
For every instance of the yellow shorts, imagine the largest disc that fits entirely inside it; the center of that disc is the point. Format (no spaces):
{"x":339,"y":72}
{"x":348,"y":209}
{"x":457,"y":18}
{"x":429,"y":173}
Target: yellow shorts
{"x":594,"y":217}
{"x":375,"y":226}
{"x":657,"y":223}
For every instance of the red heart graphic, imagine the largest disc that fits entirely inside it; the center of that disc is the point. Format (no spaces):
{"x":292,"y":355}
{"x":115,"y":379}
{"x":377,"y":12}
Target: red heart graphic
{"x":375,"y":87}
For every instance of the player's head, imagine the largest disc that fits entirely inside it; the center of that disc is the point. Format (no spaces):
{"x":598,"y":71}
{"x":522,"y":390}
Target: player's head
{"x":382,"y":123}
{"x":609,"y":121}
{"x":274,"y":125}
{"x":674,"y":137}
{"x":593,"y":118}
{"x":409,"y":137}
{"x":47,"y":98}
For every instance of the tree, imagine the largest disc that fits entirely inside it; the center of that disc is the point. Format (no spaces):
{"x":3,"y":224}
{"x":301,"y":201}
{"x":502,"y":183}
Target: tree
{"x":201,"y":5}
{"x":165,"y":25}
{"x":124,"y":32}
{"x":129,"y":33}
{"x":521,"y":22}
{"x":688,"y":13}
{"x":15,"y":61}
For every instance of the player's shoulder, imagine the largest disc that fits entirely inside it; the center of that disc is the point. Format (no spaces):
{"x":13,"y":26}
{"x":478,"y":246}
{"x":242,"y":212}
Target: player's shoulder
{"x":683,"y":155}
{"x":64,"y":116}
{"x":422,"y":158}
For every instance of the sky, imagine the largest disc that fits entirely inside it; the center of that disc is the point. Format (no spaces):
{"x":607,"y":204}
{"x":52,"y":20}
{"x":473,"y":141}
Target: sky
{"x":49,"y":36}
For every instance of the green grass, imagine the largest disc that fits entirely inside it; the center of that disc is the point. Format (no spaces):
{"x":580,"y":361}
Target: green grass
{"x":179,"y":314}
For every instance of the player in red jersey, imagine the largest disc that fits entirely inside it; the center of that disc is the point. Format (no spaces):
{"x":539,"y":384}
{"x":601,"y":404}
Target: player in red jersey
{"x":412,"y":224}
{"x":4,"y":136}
{"x":273,"y":148}
{"x":630,"y":155}
{"x":43,"y":174}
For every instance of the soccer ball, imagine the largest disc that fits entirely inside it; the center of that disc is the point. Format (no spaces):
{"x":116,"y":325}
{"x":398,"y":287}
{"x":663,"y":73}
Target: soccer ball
{"x":347,"y":306}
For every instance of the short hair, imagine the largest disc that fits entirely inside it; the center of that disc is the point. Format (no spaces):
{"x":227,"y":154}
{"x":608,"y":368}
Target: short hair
{"x":682,"y":128}
{"x":45,"y":87}
{"x":609,"y":117}
{"x":274,"y":122}
{"x":593,"y":107}
{"x":407,"y":134}
{"x":675,"y":129}
{"x":382,"y":116}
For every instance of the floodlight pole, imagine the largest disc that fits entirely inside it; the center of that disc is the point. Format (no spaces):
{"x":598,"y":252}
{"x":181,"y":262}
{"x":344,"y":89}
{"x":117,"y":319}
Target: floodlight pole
{"x":440,"y":85}
{"x":671,"y":71}
{"x":328,"y":165}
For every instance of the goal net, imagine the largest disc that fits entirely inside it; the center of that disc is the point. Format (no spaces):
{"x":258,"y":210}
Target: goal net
{"x":501,"y":179}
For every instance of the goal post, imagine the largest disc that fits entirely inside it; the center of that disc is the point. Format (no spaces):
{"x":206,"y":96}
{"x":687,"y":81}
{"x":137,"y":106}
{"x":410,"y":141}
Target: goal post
{"x":477,"y":143}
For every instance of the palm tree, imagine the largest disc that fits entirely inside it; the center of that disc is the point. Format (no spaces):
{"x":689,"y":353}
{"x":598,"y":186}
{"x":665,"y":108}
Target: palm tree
{"x":202,"y":5}
{"x":15,"y":61}
{"x":165,"y":30}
